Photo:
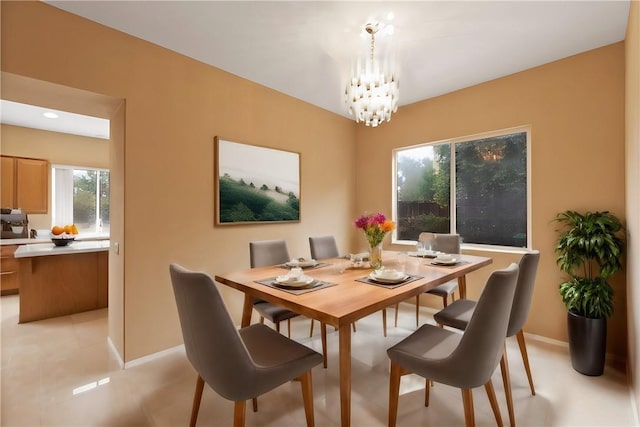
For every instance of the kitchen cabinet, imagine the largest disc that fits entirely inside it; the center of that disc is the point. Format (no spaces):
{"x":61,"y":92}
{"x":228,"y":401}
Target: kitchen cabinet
{"x":25,"y":184}
{"x":8,"y":181}
{"x":9,"y":278}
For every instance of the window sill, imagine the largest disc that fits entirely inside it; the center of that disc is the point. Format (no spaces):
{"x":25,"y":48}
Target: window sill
{"x":468,"y":247}
{"x":497,"y":249}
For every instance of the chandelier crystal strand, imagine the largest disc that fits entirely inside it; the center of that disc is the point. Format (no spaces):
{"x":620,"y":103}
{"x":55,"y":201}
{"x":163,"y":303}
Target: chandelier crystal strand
{"x":372,"y":95}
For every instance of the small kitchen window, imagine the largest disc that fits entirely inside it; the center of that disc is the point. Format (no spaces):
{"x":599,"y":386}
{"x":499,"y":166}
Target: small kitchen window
{"x":81,"y":197}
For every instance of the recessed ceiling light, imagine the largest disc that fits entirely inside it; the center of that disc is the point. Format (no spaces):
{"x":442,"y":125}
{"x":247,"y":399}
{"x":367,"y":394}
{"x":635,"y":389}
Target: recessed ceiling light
{"x":50,"y":115}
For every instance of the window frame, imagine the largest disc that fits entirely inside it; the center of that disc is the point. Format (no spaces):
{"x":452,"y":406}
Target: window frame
{"x":77,"y":167}
{"x":452,"y":205}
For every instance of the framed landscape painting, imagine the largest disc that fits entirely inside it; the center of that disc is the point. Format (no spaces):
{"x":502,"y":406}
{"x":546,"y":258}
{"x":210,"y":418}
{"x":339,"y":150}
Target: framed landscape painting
{"x":255,"y":184}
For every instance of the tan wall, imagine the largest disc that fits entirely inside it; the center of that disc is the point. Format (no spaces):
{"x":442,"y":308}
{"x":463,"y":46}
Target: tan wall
{"x":576,"y":111}
{"x":57,"y":148}
{"x":174,"y":108}
{"x":632,"y":50}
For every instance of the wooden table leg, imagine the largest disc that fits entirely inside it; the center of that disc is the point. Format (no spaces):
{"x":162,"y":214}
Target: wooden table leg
{"x":345,"y":374}
{"x":247,"y":309}
{"x":462,"y":286}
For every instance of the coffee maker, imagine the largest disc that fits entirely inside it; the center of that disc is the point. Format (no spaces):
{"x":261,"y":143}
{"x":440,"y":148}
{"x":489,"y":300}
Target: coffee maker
{"x":15,"y":224}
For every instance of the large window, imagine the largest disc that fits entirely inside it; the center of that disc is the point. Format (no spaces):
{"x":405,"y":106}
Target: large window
{"x":81,"y":197}
{"x":476,"y":187}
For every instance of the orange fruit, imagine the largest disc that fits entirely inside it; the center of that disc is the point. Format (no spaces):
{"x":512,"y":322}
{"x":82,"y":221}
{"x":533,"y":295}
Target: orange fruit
{"x":67,"y":229}
{"x":56,"y":230}
{"x":74,"y":229}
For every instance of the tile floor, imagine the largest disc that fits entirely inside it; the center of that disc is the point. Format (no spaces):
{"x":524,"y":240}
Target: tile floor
{"x":60,"y":372}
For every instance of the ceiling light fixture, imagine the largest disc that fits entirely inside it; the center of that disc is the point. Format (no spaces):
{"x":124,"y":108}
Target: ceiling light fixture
{"x":50,"y":115}
{"x":372,"y":94}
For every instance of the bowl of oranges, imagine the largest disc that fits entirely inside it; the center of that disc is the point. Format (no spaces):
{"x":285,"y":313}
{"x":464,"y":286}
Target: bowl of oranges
{"x":62,"y":236}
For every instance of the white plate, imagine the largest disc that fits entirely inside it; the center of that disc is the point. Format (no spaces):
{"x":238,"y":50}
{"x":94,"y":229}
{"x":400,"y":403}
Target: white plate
{"x":427,"y":254}
{"x":402,"y":278}
{"x":302,"y":264}
{"x":289,"y":282}
{"x":443,"y":262}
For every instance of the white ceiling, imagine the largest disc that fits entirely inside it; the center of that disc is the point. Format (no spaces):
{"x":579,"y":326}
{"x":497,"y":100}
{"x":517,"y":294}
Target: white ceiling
{"x":306,"y":49}
{"x":31,"y":116}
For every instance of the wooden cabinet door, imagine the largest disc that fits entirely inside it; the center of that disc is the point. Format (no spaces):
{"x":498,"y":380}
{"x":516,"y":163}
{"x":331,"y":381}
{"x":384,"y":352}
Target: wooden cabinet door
{"x":9,"y":283}
{"x":32,"y":185}
{"x":8,"y":185}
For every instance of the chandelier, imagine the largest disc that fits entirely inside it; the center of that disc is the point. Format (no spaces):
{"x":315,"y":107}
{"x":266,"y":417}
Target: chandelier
{"x":371,"y":94}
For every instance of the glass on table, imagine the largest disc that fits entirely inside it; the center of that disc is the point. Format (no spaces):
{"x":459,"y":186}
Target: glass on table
{"x":342,"y":265}
{"x":357,"y":260}
{"x":402,"y":259}
{"x":423,"y":247}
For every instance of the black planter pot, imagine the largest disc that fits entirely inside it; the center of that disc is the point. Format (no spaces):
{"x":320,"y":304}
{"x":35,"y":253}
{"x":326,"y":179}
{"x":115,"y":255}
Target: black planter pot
{"x":587,"y":343}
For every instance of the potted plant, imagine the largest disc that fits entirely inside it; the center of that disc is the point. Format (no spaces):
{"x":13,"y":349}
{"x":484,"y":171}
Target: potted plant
{"x":589,"y":250}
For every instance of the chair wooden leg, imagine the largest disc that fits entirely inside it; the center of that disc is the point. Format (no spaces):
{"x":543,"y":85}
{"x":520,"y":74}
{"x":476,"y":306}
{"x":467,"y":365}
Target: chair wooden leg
{"x":307,"y":397}
{"x":278,"y":326}
{"x":506,"y":380}
{"x":311,"y":329}
{"x":494,"y":402}
{"x":289,"y":328}
{"x":453,"y":296}
{"x":396,"y":319}
{"x":353,"y":325}
{"x":239,"y":409}
{"x":384,"y":321}
{"x":467,"y":403}
{"x":323,"y":333}
{"x":417,"y":309}
{"x":197,"y":397}
{"x":262,"y":320}
{"x":444,"y":304}
{"x":427,"y":391}
{"x":394,"y":393}
{"x":255,"y":404}
{"x":525,"y":359}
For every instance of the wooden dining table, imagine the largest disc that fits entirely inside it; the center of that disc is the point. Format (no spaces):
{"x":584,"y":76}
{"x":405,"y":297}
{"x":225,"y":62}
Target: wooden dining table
{"x":347,"y":301}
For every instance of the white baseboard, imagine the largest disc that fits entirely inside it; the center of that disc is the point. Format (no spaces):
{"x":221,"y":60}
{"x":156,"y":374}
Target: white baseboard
{"x":634,"y":406}
{"x":150,"y":357}
{"x":609,"y":357}
{"x":546,"y":340}
{"x":115,"y":353}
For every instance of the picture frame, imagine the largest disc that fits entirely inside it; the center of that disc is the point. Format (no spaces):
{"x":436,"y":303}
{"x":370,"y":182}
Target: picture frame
{"x":255,"y":184}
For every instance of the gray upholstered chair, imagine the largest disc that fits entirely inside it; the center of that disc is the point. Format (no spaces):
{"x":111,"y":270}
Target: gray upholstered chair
{"x":237,"y":364}
{"x":323,"y":247}
{"x":458,"y":314}
{"x":270,"y":252}
{"x":447,"y":243}
{"x":464,"y":360}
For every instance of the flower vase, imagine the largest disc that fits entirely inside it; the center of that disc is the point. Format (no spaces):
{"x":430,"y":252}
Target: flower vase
{"x":375,"y":256}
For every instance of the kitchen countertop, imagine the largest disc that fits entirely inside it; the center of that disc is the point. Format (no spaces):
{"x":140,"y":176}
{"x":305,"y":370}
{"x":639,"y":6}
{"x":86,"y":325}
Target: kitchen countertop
{"x":46,"y":238}
{"x":76,"y":247}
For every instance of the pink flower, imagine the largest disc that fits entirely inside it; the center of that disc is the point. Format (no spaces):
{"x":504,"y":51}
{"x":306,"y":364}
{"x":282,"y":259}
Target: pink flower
{"x":378,"y":218}
{"x":375,"y":227}
{"x":362,"y":222}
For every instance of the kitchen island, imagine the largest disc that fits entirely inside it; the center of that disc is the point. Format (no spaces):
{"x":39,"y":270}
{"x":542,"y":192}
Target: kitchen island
{"x":61,"y":280}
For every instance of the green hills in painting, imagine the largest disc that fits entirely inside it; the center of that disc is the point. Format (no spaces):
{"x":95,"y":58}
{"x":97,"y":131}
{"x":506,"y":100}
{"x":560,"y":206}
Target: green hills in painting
{"x":245,"y":202}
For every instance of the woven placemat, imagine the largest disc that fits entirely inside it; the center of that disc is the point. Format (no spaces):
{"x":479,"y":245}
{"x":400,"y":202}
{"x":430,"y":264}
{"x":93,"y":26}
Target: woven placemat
{"x":316,"y":285}
{"x":370,"y":281}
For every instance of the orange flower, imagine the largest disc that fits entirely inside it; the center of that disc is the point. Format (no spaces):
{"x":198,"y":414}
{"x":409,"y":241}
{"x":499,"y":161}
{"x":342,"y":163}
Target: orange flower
{"x":387,"y":226}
